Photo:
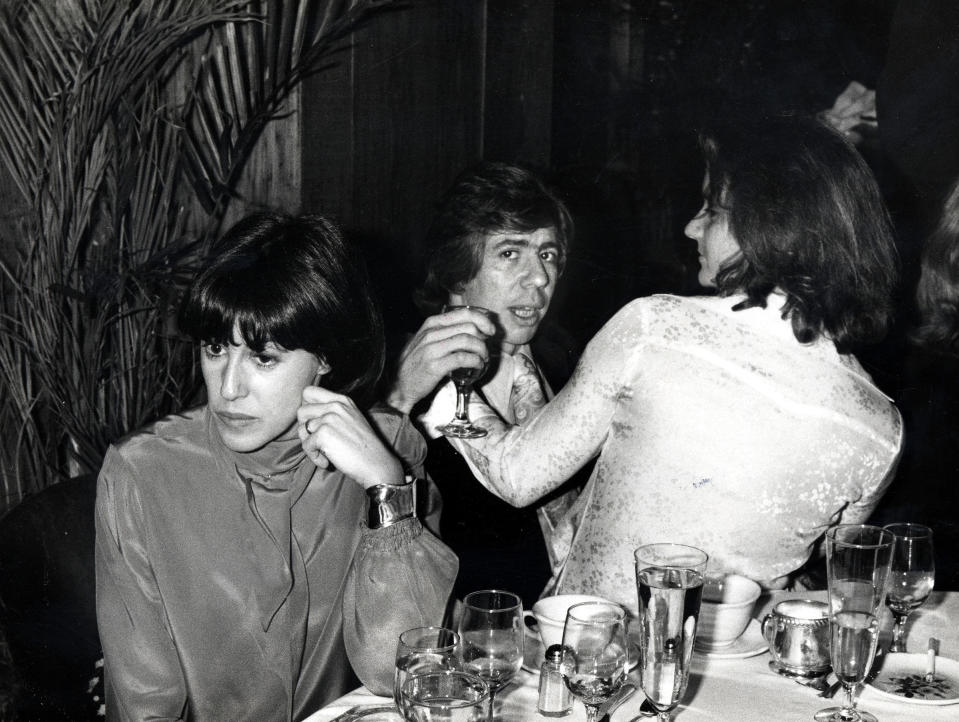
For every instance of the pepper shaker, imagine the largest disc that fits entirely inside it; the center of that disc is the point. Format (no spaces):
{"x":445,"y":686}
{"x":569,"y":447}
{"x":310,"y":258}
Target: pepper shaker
{"x":555,"y":699}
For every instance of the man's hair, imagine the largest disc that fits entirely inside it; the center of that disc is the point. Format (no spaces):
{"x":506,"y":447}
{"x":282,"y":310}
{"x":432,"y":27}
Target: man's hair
{"x":809,"y":219}
{"x":485,"y":199}
{"x":937,"y":293}
{"x":293,"y":281}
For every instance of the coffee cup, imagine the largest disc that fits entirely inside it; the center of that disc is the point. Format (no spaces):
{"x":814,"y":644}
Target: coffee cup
{"x":726,"y":610}
{"x":549,"y":614}
{"x":797,"y":631}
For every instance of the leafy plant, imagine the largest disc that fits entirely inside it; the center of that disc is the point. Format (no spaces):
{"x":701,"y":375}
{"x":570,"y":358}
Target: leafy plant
{"x":128,"y":166}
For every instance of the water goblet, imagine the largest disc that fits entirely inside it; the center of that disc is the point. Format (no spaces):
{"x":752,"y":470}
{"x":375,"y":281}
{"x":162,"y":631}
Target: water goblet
{"x":669,"y":580}
{"x":491,"y":637}
{"x":423,"y":649}
{"x":446,"y":696}
{"x":857,"y":572}
{"x":594,"y":666}
{"x":460,"y":426}
{"x":911,"y":576}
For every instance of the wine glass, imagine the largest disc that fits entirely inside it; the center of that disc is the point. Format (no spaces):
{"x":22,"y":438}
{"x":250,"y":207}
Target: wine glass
{"x":446,"y":696}
{"x":911,"y":576}
{"x":460,"y":426}
{"x":594,"y":666}
{"x":669,"y":580}
{"x":857,"y":570}
{"x":423,"y":649}
{"x":491,"y":636}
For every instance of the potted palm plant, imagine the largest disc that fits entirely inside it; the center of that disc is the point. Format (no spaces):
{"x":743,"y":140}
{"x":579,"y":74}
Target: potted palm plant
{"x":125,"y":127}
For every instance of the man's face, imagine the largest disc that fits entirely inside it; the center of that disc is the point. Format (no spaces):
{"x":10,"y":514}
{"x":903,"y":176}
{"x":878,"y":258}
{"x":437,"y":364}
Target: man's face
{"x":516,"y":282}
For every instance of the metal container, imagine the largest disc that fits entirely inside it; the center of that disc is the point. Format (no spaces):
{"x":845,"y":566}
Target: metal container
{"x":797,"y":631}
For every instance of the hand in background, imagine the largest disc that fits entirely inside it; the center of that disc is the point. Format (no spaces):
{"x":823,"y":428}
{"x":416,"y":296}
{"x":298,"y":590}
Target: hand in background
{"x":446,"y":341}
{"x":334,"y":433}
{"x":853,"y":111}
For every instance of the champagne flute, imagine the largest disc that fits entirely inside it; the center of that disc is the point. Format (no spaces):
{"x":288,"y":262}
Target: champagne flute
{"x":669,"y":579}
{"x":594,"y":666}
{"x":857,"y":570}
{"x":423,"y":649}
{"x":460,"y":426}
{"x":446,"y":696}
{"x":911,"y":576}
{"x":491,"y":636}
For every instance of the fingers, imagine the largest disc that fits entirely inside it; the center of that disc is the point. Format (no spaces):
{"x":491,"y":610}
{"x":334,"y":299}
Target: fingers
{"x":480,"y":321}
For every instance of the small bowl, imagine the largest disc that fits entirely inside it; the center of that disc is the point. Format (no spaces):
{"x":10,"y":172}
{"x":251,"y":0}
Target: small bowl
{"x":550,"y":615}
{"x":726,"y":610}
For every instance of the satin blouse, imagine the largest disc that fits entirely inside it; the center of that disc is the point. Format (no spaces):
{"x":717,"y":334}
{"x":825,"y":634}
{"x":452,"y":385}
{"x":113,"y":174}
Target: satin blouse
{"x":235,"y":586}
{"x":714,"y":428}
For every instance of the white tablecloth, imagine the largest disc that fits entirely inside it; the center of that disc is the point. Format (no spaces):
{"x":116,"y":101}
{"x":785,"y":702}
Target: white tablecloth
{"x":744,"y":689}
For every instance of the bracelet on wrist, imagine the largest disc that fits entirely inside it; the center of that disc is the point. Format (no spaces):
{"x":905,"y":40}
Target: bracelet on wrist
{"x":391,"y":503}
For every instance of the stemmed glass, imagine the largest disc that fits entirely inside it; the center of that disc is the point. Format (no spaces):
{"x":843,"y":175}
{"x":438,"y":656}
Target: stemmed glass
{"x":446,"y":696}
{"x":491,"y":636}
{"x":857,"y":569}
{"x":594,"y":666}
{"x":911,"y":576}
{"x":669,"y":579}
{"x":423,"y":649}
{"x":460,"y":426}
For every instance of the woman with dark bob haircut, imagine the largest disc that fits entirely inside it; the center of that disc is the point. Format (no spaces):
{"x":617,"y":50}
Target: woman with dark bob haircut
{"x":736,"y":422}
{"x":256,"y":555}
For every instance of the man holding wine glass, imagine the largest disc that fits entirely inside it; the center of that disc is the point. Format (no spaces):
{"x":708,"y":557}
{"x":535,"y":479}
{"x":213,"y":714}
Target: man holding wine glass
{"x":498,"y":242}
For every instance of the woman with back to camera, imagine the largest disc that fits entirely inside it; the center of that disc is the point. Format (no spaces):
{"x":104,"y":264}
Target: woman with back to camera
{"x":257,"y":552}
{"x":738,"y":423}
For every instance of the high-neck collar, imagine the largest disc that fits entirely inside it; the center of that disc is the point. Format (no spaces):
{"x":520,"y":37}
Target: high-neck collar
{"x":270,"y":464}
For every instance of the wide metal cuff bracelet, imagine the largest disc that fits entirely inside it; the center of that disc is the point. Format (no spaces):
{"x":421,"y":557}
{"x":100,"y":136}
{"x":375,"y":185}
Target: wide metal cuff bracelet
{"x":389,"y":503}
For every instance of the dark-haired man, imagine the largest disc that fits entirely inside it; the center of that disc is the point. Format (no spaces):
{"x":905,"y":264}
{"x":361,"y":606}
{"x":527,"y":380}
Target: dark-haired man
{"x":498,"y":241}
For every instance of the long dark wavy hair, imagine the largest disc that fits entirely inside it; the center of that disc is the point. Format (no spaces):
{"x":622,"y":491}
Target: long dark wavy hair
{"x":293,"y":281}
{"x":937,"y":294}
{"x":810,"y":221}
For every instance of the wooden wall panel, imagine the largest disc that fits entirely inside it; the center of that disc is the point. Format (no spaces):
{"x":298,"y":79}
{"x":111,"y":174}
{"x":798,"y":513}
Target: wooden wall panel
{"x":519,"y":81}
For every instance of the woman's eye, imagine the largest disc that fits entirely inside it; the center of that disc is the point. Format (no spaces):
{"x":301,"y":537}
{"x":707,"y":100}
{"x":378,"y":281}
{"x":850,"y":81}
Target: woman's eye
{"x":213,"y":349}
{"x":509,"y":253}
{"x":549,"y":256}
{"x":265,"y":359}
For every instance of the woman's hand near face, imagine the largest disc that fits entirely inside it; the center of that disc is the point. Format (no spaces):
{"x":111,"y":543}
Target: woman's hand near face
{"x":334,"y":433}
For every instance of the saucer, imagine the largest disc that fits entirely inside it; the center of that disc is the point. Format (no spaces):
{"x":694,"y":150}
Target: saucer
{"x":901,"y":676}
{"x":750,"y":643}
{"x":533,"y":653}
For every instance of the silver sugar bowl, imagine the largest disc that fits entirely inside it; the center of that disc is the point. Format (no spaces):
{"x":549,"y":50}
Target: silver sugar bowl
{"x":797,"y":631}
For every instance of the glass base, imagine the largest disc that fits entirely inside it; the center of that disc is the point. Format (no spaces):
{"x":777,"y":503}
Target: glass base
{"x":461,"y":430}
{"x":844,"y":714}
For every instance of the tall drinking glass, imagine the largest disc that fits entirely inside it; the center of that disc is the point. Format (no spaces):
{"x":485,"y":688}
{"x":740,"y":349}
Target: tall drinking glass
{"x":911,"y":576}
{"x":669,"y":579}
{"x":595,"y":664}
{"x":460,"y":426}
{"x":491,"y":636}
{"x":857,"y":569}
{"x":423,"y":649}
{"x":448,"y":696}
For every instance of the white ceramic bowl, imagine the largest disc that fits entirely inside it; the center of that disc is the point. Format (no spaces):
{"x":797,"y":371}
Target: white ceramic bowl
{"x":550,"y":615}
{"x":722,"y":619}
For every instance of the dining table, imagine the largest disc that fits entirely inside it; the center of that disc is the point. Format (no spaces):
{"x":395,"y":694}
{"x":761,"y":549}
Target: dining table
{"x":738,"y":684}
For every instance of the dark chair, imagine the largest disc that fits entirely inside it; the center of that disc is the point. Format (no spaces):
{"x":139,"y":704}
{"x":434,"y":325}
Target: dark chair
{"x":48,"y":601}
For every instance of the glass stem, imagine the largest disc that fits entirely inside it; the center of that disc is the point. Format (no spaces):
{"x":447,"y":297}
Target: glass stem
{"x":462,"y":403}
{"x":848,"y":711}
{"x":663,"y":717}
{"x":898,"y":634}
{"x":592,"y":710}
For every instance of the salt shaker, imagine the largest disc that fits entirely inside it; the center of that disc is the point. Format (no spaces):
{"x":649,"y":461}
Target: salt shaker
{"x":555,"y":699}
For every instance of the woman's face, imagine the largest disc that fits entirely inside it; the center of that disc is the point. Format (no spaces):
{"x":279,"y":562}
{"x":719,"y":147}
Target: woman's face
{"x":714,"y":241}
{"x":252,"y":396}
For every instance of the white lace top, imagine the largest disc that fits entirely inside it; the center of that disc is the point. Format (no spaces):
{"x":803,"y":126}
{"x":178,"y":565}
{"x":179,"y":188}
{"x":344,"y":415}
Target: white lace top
{"x":714,"y":428}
